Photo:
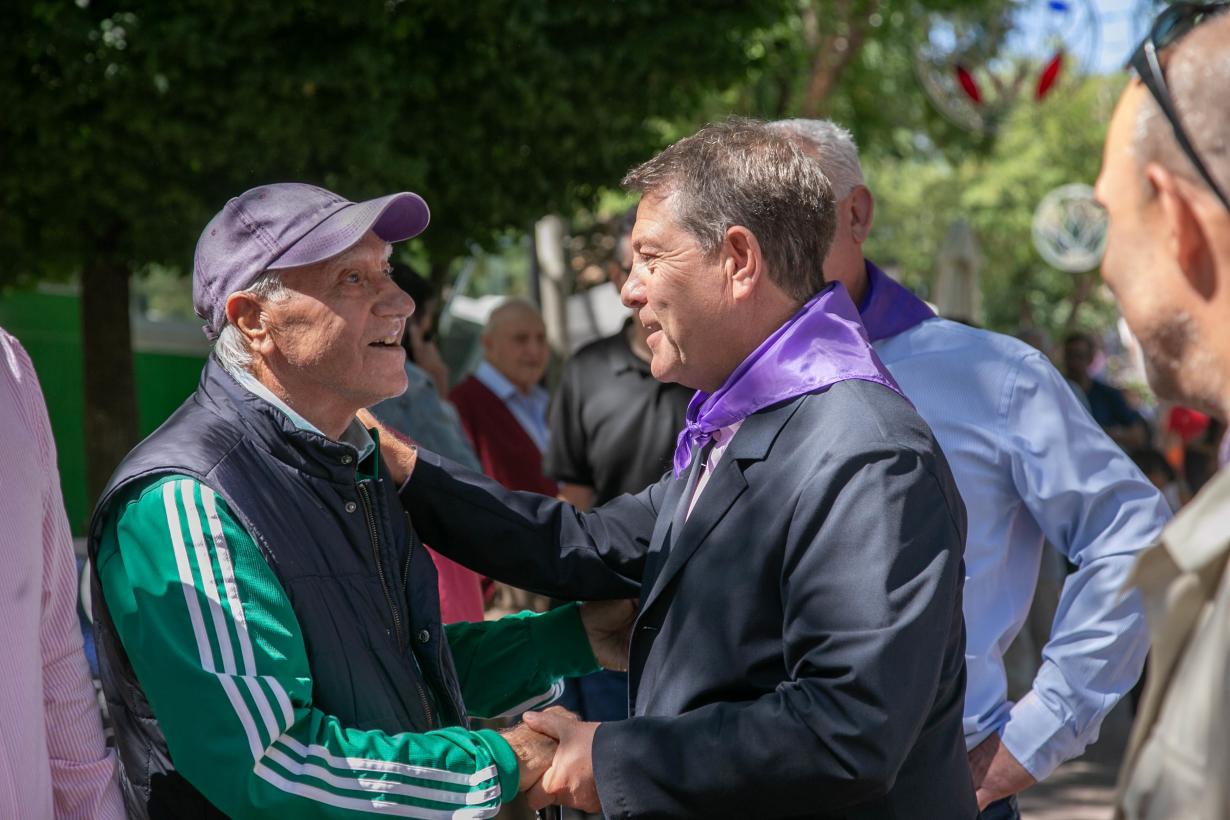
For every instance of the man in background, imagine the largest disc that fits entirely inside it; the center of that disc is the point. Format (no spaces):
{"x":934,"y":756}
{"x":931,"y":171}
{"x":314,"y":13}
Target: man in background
{"x":503,"y":405}
{"x":1165,"y":184}
{"x":1032,"y":466}
{"x":1106,"y":403}
{"x":613,"y":425}
{"x":503,"y":408}
{"x":53,"y":760}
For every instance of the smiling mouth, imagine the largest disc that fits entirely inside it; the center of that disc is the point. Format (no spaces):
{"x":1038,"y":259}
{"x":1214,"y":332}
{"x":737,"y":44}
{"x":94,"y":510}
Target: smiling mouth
{"x":388,"y":341}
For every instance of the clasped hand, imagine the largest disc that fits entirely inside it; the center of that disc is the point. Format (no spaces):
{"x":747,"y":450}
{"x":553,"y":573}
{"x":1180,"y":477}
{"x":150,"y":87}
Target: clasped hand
{"x":555,"y":753}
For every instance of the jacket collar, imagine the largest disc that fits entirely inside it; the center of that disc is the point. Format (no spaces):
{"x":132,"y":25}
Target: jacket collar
{"x":751,"y":443}
{"x":1200,"y":533}
{"x":303,"y":448}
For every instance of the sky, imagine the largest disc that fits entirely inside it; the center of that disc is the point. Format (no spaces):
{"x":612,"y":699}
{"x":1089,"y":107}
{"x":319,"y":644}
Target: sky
{"x":1120,"y":24}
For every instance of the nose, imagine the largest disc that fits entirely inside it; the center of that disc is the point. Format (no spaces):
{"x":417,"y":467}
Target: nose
{"x":394,"y":302}
{"x":632,"y":294}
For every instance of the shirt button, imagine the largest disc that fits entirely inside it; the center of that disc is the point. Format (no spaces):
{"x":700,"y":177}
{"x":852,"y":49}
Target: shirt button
{"x":346,"y":459}
{"x":351,"y":506}
{"x":424,"y":636}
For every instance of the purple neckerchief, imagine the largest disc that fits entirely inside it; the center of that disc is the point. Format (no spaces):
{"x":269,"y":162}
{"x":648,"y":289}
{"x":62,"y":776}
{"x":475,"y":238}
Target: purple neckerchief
{"x":824,"y":343}
{"x":889,"y":308}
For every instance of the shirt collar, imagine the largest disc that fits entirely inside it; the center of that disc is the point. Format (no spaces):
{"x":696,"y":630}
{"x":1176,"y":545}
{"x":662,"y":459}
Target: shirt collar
{"x":355,"y":434}
{"x":495,"y":381}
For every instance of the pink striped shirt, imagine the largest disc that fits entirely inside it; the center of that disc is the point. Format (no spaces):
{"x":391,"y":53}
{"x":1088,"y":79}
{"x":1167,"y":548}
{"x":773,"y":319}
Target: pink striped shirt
{"x":53,"y":761}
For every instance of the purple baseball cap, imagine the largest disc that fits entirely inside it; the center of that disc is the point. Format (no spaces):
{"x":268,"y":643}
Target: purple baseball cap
{"x":286,"y":225}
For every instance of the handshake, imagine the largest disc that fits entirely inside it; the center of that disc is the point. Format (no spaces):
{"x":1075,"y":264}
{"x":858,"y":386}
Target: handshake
{"x":554,"y":751}
{"x":554,"y":748}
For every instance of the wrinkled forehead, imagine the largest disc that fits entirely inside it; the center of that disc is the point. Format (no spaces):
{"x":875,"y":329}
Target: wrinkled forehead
{"x":655,"y":218}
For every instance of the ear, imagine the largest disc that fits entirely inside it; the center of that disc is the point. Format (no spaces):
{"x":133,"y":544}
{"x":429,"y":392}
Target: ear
{"x":245,"y":312}
{"x":1185,"y":237}
{"x":862,"y":207}
{"x":743,"y":261}
{"x":485,"y":339}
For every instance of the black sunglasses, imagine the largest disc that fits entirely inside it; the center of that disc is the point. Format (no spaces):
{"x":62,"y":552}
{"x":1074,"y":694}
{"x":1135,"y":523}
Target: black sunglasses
{"x":1176,"y":21}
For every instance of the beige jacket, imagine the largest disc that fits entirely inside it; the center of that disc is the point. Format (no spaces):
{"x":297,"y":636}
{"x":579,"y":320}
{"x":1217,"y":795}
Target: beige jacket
{"x":1178,"y":761}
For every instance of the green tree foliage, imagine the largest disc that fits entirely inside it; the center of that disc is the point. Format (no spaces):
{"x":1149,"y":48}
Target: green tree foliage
{"x":1041,"y":147}
{"x":127,"y":124}
{"x":853,"y":60}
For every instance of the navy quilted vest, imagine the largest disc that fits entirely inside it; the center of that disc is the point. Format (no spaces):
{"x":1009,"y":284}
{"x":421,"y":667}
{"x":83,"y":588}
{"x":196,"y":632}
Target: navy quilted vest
{"x":361,"y":584}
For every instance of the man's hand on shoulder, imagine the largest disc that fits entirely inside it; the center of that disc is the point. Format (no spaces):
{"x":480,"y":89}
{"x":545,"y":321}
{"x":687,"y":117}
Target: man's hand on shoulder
{"x":397,"y":451}
{"x":608,"y":625}
{"x":997,"y":774}
{"x":534,"y":752}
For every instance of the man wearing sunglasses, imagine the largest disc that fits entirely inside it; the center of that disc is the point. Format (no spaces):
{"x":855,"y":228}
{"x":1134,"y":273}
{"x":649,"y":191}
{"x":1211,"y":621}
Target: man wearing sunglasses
{"x":1164,"y":182}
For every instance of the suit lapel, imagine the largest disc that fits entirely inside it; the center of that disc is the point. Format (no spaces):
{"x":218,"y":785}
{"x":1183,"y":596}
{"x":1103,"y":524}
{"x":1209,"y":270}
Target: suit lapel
{"x":668,"y":523}
{"x":726,"y":485}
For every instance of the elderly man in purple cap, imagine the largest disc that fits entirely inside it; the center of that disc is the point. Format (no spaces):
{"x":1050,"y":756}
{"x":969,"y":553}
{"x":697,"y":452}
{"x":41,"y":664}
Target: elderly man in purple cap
{"x":269,"y":624}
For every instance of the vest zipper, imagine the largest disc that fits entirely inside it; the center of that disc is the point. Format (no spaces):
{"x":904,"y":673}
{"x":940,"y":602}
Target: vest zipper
{"x":388,"y":597}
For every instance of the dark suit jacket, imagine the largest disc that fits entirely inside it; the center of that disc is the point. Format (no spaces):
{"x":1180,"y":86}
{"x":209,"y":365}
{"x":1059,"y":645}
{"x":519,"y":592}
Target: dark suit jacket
{"x":800,"y":647}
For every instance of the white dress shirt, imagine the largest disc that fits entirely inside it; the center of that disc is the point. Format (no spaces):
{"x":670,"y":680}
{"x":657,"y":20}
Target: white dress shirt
{"x":1033,"y":466}
{"x":721,"y":440}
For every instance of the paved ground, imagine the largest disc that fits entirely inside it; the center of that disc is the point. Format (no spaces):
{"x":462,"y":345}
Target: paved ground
{"x":1083,"y":789}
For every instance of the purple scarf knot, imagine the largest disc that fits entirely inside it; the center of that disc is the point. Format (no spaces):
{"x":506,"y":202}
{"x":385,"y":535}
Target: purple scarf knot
{"x":824,"y":343}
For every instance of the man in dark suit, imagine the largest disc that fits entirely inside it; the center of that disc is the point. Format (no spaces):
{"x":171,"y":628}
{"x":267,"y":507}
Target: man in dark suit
{"x":799,"y":646}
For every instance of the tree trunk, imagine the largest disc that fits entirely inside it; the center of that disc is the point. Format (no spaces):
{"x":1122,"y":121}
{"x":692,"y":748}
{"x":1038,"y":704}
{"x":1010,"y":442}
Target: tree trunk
{"x":111,"y":427}
{"x":554,"y":281}
{"x":1078,"y":297}
{"x":846,"y":26}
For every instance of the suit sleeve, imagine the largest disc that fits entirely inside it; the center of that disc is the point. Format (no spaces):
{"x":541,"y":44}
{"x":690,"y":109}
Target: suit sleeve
{"x":528,"y":540}
{"x":872,"y":641}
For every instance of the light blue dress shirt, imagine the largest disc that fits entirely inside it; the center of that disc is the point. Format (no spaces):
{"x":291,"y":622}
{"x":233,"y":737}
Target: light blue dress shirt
{"x":530,"y":411}
{"x":1033,"y":466}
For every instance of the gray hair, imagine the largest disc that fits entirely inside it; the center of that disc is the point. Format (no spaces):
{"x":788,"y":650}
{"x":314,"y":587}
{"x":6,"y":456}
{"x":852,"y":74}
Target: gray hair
{"x":1197,"y":74}
{"x":835,"y":149}
{"x":231,"y":347}
{"x":742,"y":172}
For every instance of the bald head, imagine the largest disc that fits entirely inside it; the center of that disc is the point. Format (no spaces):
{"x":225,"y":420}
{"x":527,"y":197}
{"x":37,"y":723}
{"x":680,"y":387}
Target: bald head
{"x":1198,"y":75}
{"x":515,"y":343}
{"x":511,"y":311}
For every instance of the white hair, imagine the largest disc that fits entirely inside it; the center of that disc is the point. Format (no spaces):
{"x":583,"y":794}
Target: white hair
{"x":231,"y":347}
{"x":835,"y":149}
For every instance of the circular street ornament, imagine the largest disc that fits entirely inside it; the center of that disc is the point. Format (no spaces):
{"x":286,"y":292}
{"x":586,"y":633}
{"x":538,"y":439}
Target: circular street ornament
{"x":975,"y":66}
{"x":1069,"y":228}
